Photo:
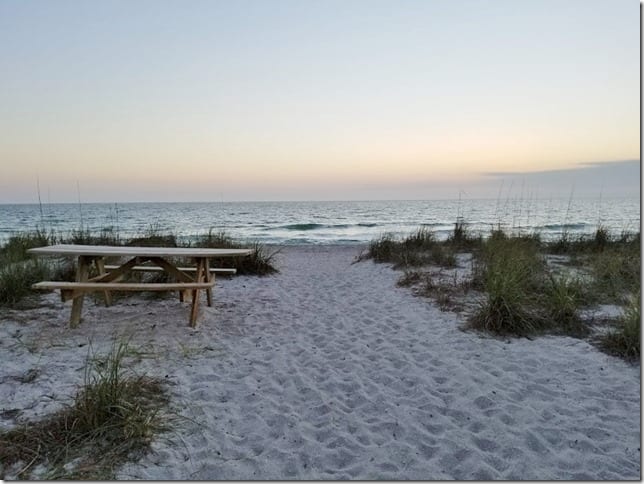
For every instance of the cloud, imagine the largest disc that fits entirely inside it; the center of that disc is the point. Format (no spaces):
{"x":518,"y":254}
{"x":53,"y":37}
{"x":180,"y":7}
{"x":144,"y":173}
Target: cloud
{"x":608,"y":178}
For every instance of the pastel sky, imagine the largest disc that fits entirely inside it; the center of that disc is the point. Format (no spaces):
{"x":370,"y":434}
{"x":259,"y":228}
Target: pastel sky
{"x":139,"y":100}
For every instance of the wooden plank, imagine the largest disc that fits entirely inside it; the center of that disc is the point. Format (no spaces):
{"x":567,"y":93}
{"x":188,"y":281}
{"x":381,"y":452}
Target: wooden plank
{"x":121,"y":286}
{"x":209,"y":278}
{"x":100,"y":266}
{"x":216,"y":270}
{"x":108,"y":250}
{"x":119,"y":271}
{"x":199,"y":277}
{"x":82,"y":272}
{"x":171,"y":269}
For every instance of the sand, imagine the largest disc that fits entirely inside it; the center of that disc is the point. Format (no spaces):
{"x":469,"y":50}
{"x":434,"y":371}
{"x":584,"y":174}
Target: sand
{"x":329,"y":371}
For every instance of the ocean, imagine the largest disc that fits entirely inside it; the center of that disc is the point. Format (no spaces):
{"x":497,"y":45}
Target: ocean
{"x":348,"y":222}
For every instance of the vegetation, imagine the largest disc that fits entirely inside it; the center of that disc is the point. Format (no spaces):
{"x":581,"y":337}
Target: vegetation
{"x":417,"y":249}
{"x":113,"y":418}
{"x":520,"y":293}
{"x":508,"y":271}
{"x":16,"y":279}
{"x":625,"y":340}
{"x":561,"y":301}
{"x":260,"y":262}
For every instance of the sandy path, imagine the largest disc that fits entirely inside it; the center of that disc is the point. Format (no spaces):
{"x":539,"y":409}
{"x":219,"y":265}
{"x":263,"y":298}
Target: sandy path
{"x":329,"y":371}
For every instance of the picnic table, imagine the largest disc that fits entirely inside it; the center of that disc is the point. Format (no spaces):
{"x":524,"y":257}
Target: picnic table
{"x":187,"y":280}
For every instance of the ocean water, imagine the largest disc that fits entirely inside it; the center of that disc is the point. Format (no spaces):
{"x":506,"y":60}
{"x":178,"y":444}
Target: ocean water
{"x":327,"y":222}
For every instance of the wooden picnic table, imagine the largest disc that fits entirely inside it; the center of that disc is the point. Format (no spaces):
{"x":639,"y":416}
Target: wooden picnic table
{"x":141,"y":259}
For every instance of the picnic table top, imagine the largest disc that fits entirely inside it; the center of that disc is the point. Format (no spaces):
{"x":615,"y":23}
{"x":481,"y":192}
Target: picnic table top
{"x":113,"y":250}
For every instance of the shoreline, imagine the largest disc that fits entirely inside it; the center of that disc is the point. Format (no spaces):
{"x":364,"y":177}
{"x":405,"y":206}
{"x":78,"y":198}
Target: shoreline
{"x":328,"y":370}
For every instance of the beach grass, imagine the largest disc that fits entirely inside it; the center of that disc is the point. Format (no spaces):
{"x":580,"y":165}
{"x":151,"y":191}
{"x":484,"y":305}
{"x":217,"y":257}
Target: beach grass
{"x":461,"y":237}
{"x":18,"y":270}
{"x":624,"y":341}
{"x":113,"y":418}
{"x":418,"y":249}
{"x":260,"y":262}
{"x":521,"y":293}
{"x":508,"y":270}
{"x":562,"y":297}
{"x":615,"y":271}
{"x":16,"y":279}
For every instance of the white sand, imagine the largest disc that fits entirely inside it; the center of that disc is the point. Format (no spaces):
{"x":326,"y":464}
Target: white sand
{"x":329,"y":371}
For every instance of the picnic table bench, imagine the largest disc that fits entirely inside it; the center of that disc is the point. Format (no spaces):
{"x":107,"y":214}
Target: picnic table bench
{"x":189,"y":281}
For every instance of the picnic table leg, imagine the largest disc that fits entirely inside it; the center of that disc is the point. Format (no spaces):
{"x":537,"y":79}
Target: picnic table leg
{"x":194,"y":311}
{"x":100,"y":266}
{"x":82,"y":274}
{"x":208,"y":277}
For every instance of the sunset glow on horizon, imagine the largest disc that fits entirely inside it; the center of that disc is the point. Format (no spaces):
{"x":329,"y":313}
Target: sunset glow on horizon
{"x":290,"y":100}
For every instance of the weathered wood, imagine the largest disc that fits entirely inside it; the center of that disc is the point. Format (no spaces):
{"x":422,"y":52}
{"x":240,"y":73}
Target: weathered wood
{"x":208,"y":277}
{"x":82,"y":272}
{"x":199,"y":278}
{"x":121,"y":286}
{"x":100,"y":267}
{"x":216,"y":270}
{"x":106,"y":281}
{"x":107,"y":250}
{"x":164,"y":265}
{"x":118,"y":272}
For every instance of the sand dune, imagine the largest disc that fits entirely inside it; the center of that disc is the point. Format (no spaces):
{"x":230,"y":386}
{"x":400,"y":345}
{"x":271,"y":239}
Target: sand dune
{"x":329,"y":371}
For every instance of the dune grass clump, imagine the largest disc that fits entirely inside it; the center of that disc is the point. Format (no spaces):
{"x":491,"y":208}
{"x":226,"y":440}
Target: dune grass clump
{"x":154,"y":236}
{"x":113,"y":418}
{"x":624,"y":341}
{"x":217,"y":240}
{"x":562,"y":297}
{"x":260,"y":262}
{"x":421,"y":239}
{"x":462,"y":238}
{"x":16,"y":247}
{"x":16,"y":279}
{"x":84,"y":236}
{"x":616,"y":272}
{"x":419,"y":248}
{"x":18,"y":270}
{"x":383,"y":248}
{"x":508,"y":270}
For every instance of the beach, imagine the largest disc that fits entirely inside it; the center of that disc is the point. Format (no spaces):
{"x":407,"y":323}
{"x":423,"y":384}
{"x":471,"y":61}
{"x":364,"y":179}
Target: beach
{"x":328,"y":370}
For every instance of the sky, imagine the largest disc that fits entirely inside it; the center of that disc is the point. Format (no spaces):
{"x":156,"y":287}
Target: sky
{"x":138,"y":100}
